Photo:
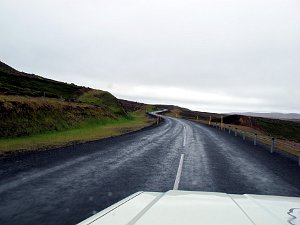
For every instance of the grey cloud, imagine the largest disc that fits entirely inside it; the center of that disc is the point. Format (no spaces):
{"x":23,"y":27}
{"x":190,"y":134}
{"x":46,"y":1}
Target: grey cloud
{"x":238,"y":48}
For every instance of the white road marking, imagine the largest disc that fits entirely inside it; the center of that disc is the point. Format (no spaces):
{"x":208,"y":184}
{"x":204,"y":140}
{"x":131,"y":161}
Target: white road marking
{"x":184,"y":138}
{"x":177,"y":180}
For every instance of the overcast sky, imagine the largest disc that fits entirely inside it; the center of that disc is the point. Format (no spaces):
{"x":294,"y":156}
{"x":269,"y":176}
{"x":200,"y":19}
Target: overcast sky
{"x":208,"y":55}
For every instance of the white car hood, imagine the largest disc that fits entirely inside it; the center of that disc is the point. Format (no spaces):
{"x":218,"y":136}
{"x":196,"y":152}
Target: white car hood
{"x":207,"y":208}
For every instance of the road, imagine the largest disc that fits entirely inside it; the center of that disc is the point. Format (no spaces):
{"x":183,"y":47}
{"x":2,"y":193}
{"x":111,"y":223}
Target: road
{"x":67,"y":185}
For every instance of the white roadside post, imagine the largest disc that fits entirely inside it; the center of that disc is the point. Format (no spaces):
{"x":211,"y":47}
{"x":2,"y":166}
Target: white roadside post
{"x":244,"y":137}
{"x":235,"y":133}
{"x":272,"y":145}
{"x":255,"y":139}
{"x":222,"y":123}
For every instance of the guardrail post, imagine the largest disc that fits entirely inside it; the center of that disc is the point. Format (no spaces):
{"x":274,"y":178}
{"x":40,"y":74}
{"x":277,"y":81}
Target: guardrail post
{"x":255,"y":139}
{"x":244,"y":137}
{"x":235,"y":133}
{"x":272,"y":145}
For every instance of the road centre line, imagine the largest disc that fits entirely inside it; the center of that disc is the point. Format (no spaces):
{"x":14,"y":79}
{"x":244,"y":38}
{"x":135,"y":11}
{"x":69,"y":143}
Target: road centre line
{"x":177,"y":180}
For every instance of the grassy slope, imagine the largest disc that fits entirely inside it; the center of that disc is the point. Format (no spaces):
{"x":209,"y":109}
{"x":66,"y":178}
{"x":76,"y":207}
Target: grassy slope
{"x":103,"y":98}
{"x":88,"y":131}
{"x":280,"y":128}
{"x":38,"y":113}
{"x":13,"y":82}
{"x":23,"y":116}
{"x":31,"y":104}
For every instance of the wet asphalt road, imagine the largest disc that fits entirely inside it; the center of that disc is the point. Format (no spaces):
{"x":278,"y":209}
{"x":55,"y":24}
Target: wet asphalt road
{"x":67,"y":185}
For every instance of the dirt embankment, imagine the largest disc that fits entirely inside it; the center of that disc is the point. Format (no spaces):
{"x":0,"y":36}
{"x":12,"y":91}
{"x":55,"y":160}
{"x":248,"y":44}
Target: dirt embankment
{"x":240,"y":120}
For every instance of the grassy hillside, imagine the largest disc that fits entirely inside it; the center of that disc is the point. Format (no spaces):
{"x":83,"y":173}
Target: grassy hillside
{"x":88,"y":130}
{"x":23,"y":116}
{"x":130,"y":106}
{"x":31,"y":104}
{"x":40,"y":113}
{"x":280,"y":128}
{"x":103,"y":99}
{"x":13,"y":82}
{"x":283,"y":129}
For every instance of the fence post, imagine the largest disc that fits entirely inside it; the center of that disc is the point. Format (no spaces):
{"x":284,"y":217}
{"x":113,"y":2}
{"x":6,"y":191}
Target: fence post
{"x":221,"y":124}
{"x":235,"y":133}
{"x":272,"y":145}
{"x":255,"y":139}
{"x":244,"y":136}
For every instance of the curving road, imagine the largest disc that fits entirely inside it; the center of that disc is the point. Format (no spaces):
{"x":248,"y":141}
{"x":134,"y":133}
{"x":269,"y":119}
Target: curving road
{"x":67,"y":185}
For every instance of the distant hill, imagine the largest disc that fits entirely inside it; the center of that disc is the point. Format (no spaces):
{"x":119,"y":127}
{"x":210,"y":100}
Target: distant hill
{"x":173,"y":110}
{"x":281,"y":116}
{"x":31,"y":104}
{"x":284,"y":129}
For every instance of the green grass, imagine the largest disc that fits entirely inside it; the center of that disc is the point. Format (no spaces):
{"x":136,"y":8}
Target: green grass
{"x":280,"y":128}
{"x":102,"y":98}
{"x":13,"y":82}
{"x":25,"y":116}
{"x":91,"y":130}
{"x":34,"y":86}
{"x":39,"y":113}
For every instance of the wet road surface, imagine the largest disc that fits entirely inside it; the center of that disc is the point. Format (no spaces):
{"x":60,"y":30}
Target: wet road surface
{"x":67,"y":185}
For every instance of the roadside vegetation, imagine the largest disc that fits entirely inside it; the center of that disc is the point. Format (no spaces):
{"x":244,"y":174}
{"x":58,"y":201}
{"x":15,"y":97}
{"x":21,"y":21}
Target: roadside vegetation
{"x":24,"y":116}
{"x":89,"y":130}
{"x":280,"y":128}
{"x":39,"y":113}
